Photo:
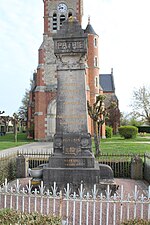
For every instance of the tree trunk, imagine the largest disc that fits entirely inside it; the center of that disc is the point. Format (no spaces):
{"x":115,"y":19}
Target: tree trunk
{"x":15,"y":131}
{"x":99,"y":134}
{"x":97,"y":148}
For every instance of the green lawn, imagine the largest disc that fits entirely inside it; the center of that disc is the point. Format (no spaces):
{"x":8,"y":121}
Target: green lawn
{"x":114,"y":145}
{"x":7,"y":141}
{"x":125,"y":148}
{"x":118,"y":145}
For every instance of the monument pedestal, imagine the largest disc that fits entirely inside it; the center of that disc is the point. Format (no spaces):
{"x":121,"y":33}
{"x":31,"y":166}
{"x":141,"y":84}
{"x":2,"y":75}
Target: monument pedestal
{"x":71,"y":164}
{"x":77,"y":175}
{"x":70,"y":161}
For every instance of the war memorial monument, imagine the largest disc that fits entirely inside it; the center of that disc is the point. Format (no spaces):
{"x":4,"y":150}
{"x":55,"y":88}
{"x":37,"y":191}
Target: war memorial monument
{"x":72,"y":160}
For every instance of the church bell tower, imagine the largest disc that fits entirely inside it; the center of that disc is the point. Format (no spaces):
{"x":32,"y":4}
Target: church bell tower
{"x":42,"y":105}
{"x":56,"y":11}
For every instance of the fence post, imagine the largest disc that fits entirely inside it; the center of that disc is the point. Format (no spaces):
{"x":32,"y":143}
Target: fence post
{"x":21,"y":167}
{"x":136,"y":168}
{"x":147,"y":167}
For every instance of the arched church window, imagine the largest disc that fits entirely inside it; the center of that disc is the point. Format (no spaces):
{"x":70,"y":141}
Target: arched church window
{"x":62,"y":19}
{"x":54,"y":21}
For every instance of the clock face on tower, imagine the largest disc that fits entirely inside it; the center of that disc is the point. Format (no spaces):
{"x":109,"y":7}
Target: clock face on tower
{"x":62,"y":7}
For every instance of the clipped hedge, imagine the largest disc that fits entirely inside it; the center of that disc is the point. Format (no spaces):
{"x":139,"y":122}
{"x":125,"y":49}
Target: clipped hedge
{"x":128,"y":131}
{"x":136,"y":222}
{"x":108,"y":132}
{"x":8,"y":217}
{"x":143,"y":129}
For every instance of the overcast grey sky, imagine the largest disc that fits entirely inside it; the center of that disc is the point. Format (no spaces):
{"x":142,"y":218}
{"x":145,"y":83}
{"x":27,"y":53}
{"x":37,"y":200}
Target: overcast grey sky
{"x":124,"y":43}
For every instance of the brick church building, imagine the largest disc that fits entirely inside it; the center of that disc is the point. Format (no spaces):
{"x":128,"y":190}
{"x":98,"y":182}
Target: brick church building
{"x":42,"y":103}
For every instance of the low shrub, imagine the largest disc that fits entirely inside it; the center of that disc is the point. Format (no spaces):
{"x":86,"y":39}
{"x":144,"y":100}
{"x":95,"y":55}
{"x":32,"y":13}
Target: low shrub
{"x":8,"y":216}
{"x":128,"y":131}
{"x":136,"y":222}
{"x":7,"y":169}
{"x":108,"y":132}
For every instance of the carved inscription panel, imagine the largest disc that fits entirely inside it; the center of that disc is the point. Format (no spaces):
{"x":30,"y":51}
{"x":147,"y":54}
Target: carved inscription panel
{"x":70,"y":46}
{"x":71,"y":145}
{"x":74,"y":163}
{"x":72,"y":111}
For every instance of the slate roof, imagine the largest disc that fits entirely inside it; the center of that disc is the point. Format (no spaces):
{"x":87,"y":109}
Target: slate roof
{"x":107,"y":82}
{"x":89,"y":30}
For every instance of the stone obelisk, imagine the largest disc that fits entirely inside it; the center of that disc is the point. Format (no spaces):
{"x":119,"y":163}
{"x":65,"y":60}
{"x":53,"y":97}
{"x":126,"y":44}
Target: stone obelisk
{"x":70,"y":48}
{"x":72,"y":161}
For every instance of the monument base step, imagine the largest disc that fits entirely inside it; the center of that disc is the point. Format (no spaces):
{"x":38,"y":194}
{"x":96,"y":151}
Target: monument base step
{"x":75,"y":176}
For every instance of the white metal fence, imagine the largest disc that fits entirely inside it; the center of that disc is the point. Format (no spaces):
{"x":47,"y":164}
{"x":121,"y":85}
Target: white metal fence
{"x":81,"y":208}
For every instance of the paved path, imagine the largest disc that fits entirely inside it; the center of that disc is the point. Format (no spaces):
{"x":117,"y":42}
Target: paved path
{"x":129,"y":185}
{"x":32,"y":147}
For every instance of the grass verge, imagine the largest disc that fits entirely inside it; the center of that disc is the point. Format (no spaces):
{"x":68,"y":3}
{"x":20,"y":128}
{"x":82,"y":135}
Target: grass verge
{"x":114,"y":145}
{"x":7,"y":141}
{"x":118,"y":145}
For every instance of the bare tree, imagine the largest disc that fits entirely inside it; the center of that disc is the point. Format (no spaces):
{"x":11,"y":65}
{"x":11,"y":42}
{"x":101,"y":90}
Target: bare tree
{"x":97,"y":113}
{"x":15,"y":124}
{"x":1,"y":112}
{"x":23,"y":109}
{"x":141,"y":104}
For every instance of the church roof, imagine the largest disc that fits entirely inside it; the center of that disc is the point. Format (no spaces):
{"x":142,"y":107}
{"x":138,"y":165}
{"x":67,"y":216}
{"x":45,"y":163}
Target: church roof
{"x":89,"y":29}
{"x":107,"y":82}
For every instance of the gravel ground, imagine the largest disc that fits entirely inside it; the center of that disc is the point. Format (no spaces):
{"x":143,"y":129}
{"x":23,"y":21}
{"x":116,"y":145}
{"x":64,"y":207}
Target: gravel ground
{"x":32,"y":147}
